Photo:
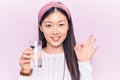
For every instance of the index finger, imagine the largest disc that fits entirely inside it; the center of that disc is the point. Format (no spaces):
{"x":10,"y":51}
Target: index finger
{"x":28,"y":51}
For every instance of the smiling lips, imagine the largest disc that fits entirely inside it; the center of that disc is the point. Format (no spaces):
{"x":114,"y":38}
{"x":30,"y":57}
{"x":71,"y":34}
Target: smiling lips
{"x":56,"y":38}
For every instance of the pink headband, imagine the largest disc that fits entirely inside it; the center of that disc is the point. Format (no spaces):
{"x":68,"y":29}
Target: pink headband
{"x":50,"y":5}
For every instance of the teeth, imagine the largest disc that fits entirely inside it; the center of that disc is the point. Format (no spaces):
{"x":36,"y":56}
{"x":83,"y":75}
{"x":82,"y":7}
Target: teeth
{"x":55,"y":37}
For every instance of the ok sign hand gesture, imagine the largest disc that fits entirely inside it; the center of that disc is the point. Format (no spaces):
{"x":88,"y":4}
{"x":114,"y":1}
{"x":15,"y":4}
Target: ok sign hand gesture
{"x":84,"y":51}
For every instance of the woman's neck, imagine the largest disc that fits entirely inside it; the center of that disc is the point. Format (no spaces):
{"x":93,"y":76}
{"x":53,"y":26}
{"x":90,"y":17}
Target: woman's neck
{"x":53,"y":50}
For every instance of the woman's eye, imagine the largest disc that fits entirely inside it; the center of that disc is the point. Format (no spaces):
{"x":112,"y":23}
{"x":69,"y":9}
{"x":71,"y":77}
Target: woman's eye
{"x":61,"y":24}
{"x":48,"y":25}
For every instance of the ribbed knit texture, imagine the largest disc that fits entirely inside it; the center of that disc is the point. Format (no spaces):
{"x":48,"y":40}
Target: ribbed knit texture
{"x":54,"y":68}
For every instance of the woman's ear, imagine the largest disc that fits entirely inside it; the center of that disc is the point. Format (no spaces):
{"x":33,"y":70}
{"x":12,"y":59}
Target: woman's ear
{"x":40,"y":27}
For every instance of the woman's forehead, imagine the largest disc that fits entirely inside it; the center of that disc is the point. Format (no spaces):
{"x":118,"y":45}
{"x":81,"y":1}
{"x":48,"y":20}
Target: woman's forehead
{"x":56,"y":16}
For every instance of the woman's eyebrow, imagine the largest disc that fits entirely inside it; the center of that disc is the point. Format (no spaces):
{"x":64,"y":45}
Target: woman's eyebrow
{"x":47,"y":22}
{"x":62,"y":21}
{"x":51,"y":21}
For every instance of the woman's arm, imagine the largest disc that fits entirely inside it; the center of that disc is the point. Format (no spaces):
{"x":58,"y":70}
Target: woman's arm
{"x":84,"y":52}
{"x":85,"y":70}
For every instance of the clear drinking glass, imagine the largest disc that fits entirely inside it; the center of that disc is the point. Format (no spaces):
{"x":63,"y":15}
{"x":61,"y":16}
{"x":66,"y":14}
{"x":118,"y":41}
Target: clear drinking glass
{"x":37,"y":48}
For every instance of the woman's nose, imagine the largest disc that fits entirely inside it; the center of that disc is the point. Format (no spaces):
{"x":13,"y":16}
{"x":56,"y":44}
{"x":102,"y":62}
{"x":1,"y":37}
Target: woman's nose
{"x":55,"y":30}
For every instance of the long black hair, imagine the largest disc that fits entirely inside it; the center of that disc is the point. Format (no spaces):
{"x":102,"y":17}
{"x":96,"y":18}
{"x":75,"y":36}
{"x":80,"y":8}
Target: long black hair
{"x":68,"y":44}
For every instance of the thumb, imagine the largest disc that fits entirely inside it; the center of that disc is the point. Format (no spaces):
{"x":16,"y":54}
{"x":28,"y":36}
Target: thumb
{"x":78,"y":46}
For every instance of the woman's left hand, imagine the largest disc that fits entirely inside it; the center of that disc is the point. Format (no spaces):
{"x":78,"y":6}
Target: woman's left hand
{"x":84,"y":51}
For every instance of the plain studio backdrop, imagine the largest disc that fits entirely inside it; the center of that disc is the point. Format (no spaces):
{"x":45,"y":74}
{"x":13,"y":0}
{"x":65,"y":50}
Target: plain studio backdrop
{"x":18,"y":26}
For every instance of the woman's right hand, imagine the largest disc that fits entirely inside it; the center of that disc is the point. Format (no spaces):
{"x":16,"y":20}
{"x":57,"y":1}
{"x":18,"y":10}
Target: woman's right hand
{"x":25,"y":60}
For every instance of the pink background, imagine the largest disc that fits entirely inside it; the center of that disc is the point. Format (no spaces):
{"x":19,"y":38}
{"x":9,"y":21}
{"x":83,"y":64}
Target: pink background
{"x":18,"y":26}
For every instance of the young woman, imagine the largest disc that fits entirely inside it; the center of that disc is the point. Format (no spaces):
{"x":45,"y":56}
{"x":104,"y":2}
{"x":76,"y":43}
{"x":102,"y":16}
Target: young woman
{"x":62,"y":58}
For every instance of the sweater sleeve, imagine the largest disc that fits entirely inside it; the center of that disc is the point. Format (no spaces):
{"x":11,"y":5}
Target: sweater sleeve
{"x":85,"y":70}
{"x":25,"y":77}
{"x":34,"y":76}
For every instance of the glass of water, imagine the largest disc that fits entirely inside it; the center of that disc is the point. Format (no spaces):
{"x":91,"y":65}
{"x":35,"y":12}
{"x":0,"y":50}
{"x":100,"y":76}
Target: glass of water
{"x":37,"y":57}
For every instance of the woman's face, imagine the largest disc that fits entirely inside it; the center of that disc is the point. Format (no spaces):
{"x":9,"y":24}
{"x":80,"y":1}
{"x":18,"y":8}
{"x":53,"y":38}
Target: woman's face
{"x":55,"y":28}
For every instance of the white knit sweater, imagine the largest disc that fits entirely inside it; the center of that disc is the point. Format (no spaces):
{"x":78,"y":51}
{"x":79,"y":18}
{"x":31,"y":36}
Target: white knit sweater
{"x":54,"y":68}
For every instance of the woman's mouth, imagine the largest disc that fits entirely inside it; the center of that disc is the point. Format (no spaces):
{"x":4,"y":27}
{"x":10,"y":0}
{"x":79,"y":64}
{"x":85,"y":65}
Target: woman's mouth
{"x":56,"y":38}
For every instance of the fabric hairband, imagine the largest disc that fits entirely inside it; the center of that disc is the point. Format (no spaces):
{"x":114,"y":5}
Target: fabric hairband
{"x":50,"y":5}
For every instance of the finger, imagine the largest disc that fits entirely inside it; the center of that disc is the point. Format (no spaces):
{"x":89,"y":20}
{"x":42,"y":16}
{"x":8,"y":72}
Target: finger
{"x":26,"y":61}
{"x":30,"y":49}
{"x":95,"y":49}
{"x":79,"y":45}
{"x":92,"y":43}
{"x":28,"y":52}
{"x":39,"y":55}
{"x":89,"y":40}
{"x":26,"y":56}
